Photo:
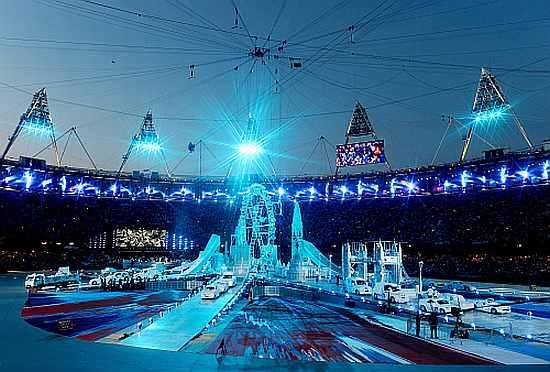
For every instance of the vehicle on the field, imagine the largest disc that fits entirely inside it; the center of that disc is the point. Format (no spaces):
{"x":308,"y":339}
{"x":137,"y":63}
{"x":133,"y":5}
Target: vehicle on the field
{"x":62,"y":278}
{"x":438,"y":305}
{"x":457,"y":286}
{"x":358,"y":286}
{"x":489,"y":305}
{"x":459,"y":301}
{"x":222,"y":286}
{"x":228,"y":278}
{"x":119,"y":278}
{"x":394,"y":293}
{"x":211,"y":292}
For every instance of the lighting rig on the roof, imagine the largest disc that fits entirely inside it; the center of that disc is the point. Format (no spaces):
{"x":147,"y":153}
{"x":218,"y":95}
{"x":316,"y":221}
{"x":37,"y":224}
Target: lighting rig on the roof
{"x":36,"y":121}
{"x":146,"y":141}
{"x":490,"y":106}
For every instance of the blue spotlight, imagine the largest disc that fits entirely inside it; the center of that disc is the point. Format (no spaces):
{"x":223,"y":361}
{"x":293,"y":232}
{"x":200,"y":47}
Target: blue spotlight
{"x":411,"y":187}
{"x":489,"y":115}
{"x":344,"y":190}
{"x":464,"y":179}
{"x":545,"y":168}
{"x":38,"y":126}
{"x":392,"y":187}
{"x":280,"y":191}
{"x":524,"y":175}
{"x":27,"y":176}
{"x":63,"y":184}
{"x":150,"y":147}
{"x":503,"y":175}
{"x":46,"y":183}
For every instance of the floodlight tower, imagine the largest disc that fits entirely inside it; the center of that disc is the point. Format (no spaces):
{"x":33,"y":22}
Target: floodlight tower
{"x":360,"y":127}
{"x":36,"y":120}
{"x":145,"y":140}
{"x":490,"y":103}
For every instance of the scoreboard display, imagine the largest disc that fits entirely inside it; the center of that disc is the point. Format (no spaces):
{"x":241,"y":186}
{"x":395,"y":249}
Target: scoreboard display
{"x":360,"y":153}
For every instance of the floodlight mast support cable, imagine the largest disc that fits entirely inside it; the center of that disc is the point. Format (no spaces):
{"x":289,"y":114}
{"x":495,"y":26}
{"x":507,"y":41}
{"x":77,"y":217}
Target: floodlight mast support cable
{"x":449,"y":123}
{"x":522,"y":130}
{"x":466,"y":143}
{"x":126,"y":156}
{"x":84,"y":148}
{"x":68,"y":132}
{"x":13,"y":137}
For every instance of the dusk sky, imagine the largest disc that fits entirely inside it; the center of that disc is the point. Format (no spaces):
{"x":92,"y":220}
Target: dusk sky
{"x":104,"y":66}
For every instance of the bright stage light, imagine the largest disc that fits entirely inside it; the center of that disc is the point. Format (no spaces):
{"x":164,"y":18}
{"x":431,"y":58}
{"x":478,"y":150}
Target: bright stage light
{"x":249,"y":149}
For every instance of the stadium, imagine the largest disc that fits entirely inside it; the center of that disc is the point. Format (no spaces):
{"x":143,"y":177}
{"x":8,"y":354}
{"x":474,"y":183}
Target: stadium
{"x":256,"y":240}
{"x":490,"y":196}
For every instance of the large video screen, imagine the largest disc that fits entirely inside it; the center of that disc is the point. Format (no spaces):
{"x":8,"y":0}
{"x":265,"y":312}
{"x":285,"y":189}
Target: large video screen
{"x":360,"y":153}
{"x":140,"y":239}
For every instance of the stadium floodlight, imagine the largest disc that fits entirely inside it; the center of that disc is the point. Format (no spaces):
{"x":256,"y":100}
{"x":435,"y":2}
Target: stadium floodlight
{"x":489,"y":107}
{"x":250,"y":149}
{"x":148,"y":146}
{"x":36,"y":121}
{"x":146,"y":141}
{"x":545,"y":168}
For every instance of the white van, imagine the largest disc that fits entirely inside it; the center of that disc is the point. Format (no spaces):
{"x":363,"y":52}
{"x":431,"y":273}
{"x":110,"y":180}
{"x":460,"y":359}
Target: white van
{"x":222,"y":286}
{"x":211,"y":292}
{"x":459,"y":301}
{"x":438,"y":305}
{"x":358,"y":286}
{"x":229,"y":278}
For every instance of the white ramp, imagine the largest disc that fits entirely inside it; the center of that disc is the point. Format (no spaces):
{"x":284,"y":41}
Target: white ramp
{"x":179,"y":326}
{"x":212,"y":248}
{"x":317,"y":258}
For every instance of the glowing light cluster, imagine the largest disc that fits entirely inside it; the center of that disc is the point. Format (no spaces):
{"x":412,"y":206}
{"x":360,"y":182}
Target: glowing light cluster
{"x":249,"y":149}
{"x":489,"y":116}
{"x":146,"y":146}
{"x":39,"y":127}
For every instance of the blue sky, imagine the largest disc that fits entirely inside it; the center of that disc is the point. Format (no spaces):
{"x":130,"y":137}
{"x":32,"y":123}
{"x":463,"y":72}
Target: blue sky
{"x":104,"y":68}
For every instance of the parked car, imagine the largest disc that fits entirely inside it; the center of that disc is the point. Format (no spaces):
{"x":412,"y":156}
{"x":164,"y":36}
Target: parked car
{"x":489,"y":305}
